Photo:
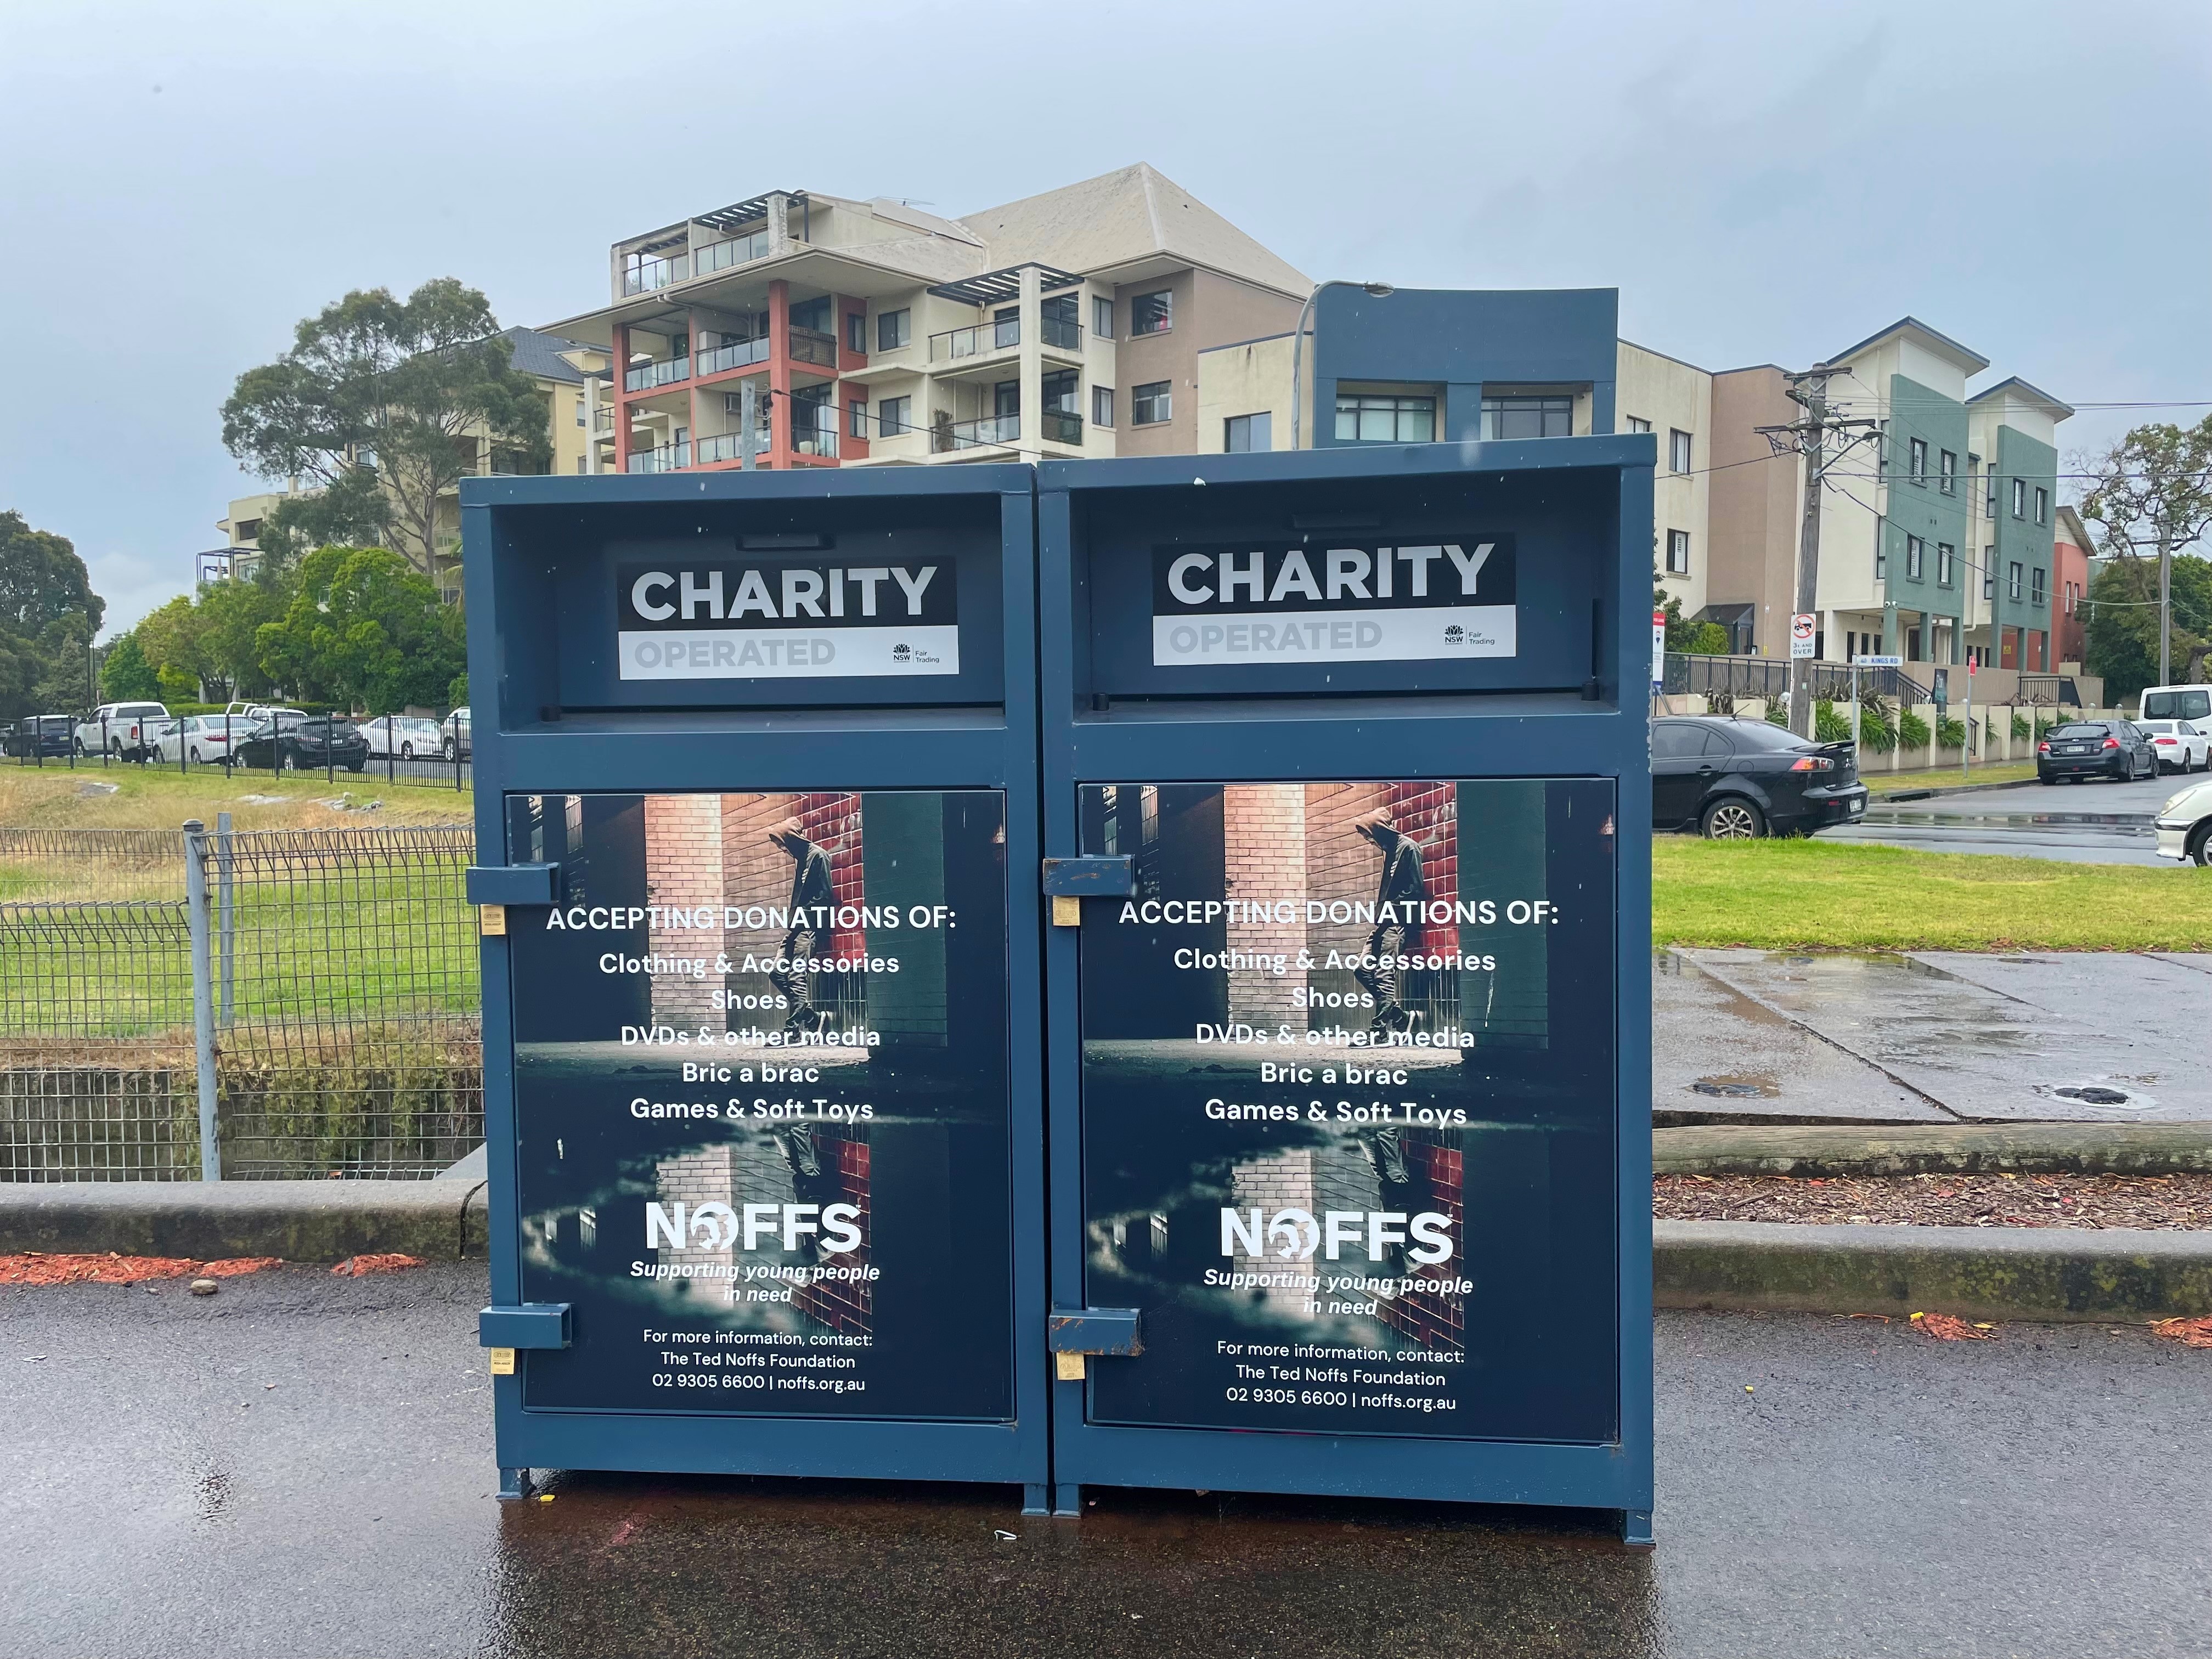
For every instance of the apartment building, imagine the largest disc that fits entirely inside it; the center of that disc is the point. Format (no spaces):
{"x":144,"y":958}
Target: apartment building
{"x":869,"y":333}
{"x":2071,"y":550}
{"x":564,"y":370}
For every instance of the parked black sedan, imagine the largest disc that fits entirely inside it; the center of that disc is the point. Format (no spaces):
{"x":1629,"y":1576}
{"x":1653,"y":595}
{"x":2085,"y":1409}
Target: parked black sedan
{"x":1730,"y":779}
{"x":2118,"y":750}
{"x":295,"y":743}
{"x":41,"y":734}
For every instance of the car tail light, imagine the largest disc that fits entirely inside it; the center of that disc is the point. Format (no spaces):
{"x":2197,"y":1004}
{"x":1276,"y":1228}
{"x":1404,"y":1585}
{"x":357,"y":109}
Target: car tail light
{"x":2168,"y":742}
{"x":1812,"y":763}
{"x":2043,"y":749}
{"x":2112,"y":743}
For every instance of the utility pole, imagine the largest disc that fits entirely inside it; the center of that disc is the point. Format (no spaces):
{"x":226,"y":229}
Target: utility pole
{"x":1808,"y":436}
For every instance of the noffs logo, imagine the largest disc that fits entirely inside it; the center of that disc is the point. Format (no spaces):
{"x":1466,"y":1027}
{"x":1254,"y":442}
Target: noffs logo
{"x":1295,"y":1235}
{"x":714,"y":1226}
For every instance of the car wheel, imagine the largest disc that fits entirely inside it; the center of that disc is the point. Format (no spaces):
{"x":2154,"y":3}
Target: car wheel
{"x":355,"y":766}
{"x":2200,"y":845}
{"x":407,"y":751}
{"x":1732,"y":819}
{"x":449,"y":749}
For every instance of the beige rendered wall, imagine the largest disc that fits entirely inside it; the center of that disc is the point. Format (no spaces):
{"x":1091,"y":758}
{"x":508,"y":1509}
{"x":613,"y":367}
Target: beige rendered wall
{"x":1752,"y":505}
{"x":1251,"y":379}
{"x":1674,"y":397}
{"x":1210,"y":310}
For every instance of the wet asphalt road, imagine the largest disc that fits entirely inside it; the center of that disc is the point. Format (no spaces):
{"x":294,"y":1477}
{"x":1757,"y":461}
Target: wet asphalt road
{"x":2095,"y":822}
{"x":1872,"y":1493}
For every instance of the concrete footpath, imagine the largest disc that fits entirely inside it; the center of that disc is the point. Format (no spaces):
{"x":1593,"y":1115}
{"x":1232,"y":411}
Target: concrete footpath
{"x":303,"y":1465}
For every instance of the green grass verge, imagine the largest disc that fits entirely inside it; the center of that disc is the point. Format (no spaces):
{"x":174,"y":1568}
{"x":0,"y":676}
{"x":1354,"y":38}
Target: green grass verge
{"x":1815,"y":895}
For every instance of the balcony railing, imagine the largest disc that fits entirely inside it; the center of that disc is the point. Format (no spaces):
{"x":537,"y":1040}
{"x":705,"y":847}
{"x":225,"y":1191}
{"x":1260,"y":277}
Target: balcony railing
{"x":666,"y":372}
{"x":808,"y":346}
{"x":1060,"y":426}
{"x":993,"y":429}
{"x":980,"y":341}
{"x":729,"y":446}
{"x":737,"y":354}
{"x":737,"y":251}
{"x":667,"y":457}
{"x":602,"y":418}
{"x":1059,"y":331}
{"x":647,"y":275}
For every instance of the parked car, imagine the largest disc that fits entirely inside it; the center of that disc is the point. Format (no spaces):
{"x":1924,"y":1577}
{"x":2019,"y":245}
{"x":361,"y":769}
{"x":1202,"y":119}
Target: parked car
{"x":455,"y":738}
{"x":2118,"y":750}
{"x":2184,"y":825}
{"x":295,"y":742}
{"x":2181,"y":745}
{"x":1730,"y":779}
{"x":205,"y":739}
{"x":2175,"y":703}
{"x":403,"y":735}
{"x":118,"y":729}
{"x":41,"y":734}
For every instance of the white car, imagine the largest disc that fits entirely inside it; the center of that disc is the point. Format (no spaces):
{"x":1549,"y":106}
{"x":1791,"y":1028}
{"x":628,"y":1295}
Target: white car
{"x":2179,"y":745}
{"x":404,"y":735}
{"x":119,"y":730}
{"x":202,"y":738}
{"x":2184,"y":825}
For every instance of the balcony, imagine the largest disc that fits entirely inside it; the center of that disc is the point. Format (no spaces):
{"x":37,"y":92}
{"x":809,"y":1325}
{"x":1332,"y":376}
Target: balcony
{"x":737,"y":251}
{"x":727,"y":446}
{"x":602,"y":418}
{"x":981,"y":341}
{"x":667,"y":371}
{"x":668,"y":457}
{"x":643,"y":276}
{"x":1060,"y":426}
{"x":992,"y":429}
{"x":807,"y":346}
{"x":737,"y":354}
{"x":1059,"y":333}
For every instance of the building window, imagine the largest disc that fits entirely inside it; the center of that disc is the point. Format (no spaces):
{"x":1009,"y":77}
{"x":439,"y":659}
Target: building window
{"x":892,"y":414}
{"x":1881,"y":451}
{"x":1637,"y":424}
{"x":579,"y":463}
{"x":894,"y":329}
{"x":1101,"y":316}
{"x":1916,"y":460}
{"x":1678,"y":552}
{"x":2020,"y":498}
{"x":1990,"y":572}
{"x":2035,"y":588}
{"x":1916,"y":554}
{"x":856,"y":414}
{"x":1150,"y":403}
{"x":583,"y":415}
{"x":1947,"y":472}
{"x":1101,"y":406}
{"x":1367,"y":418}
{"x":1060,"y":389}
{"x":2013,"y":581}
{"x":1527,"y":417}
{"x":856,"y":334}
{"x":1677,"y":450}
{"x":1152,"y":314}
{"x":1245,"y":434}
{"x":812,"y":315}
{"x":1943,"y":556}
{"x":2042,"y":505}
{"x":1881,"y":555}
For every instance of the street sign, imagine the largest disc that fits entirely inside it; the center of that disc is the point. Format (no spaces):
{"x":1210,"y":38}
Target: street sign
{"x":1658,"y":650}
{"x":1879,"y":662}
{"x":1943,"y":687}
{"x":1800,"y":634}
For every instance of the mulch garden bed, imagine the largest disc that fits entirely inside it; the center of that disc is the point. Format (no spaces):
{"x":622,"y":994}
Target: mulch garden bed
{"x":2158,"y":1203}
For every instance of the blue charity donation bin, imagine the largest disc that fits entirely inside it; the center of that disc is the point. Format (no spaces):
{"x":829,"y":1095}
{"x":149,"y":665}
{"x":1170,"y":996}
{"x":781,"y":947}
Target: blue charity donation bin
{"x":757,"y":835}
{"x":1346,"y":822}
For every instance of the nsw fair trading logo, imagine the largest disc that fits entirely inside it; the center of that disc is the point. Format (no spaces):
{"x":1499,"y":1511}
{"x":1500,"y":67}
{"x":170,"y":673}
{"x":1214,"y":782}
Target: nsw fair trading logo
{"x":1324,"y":601}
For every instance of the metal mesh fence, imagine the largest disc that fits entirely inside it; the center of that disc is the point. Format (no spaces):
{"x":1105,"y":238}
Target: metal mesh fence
{"x":342,"y":986}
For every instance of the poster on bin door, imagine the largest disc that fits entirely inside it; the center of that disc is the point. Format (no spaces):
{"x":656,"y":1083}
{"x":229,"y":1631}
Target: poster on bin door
{"x":1348,"y":1105}
{"x":762,"y":1102}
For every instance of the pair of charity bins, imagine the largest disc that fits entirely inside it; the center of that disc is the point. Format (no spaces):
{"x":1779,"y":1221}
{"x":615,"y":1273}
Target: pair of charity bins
{"x":1120,"y":972}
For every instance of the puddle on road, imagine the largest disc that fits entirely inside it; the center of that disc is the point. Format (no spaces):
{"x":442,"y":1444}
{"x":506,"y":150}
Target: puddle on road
{"x":1738,"y":1088}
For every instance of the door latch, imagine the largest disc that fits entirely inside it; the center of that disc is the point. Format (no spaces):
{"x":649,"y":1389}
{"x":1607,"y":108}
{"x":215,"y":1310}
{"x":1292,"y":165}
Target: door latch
{"x":1068,"y":882}
{"x":1074,"y":1334}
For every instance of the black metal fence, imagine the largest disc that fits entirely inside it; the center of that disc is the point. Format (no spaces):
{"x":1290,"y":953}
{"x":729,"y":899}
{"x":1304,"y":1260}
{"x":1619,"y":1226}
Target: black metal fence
{"x":1767,"y":680}
{"x":311,"y":994}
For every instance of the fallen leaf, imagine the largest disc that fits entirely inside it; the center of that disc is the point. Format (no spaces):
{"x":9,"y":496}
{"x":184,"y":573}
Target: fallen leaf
{"x":2191,"y":1333}
{"x":353,"y":1267}
{"x":1945,"y":1328}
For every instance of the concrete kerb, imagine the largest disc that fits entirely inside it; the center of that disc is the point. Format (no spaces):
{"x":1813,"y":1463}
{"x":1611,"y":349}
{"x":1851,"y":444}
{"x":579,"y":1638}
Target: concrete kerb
{"x":210,"y":1221}
{"x":2133,"y":1149}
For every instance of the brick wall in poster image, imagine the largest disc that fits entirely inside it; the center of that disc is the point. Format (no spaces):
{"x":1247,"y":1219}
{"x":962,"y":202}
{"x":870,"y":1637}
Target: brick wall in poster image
{"x":758,"y":873}
{"x":1343,"y":865}
{"x":684,"y":871}
{"x":1434,"y":1319}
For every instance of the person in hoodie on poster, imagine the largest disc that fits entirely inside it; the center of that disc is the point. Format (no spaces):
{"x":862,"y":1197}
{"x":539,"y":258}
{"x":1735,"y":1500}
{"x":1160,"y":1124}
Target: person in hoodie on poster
{"x":1401,"y":888}
{"x":811,"y":889}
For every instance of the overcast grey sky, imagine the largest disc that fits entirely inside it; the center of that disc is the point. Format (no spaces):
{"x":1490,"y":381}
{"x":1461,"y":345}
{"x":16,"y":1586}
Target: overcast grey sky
{"x":182,"y":183}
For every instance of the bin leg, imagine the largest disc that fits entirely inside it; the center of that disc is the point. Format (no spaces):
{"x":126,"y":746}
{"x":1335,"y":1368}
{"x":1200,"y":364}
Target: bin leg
{"x":1635,"y":1528}
{"x":1067,"y":1498}
{"x":1036,"y":1500}
{"x":514,"y":1485}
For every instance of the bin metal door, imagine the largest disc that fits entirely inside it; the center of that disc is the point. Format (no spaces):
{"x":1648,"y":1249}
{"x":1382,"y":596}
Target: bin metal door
{"x":1347,"y":1105}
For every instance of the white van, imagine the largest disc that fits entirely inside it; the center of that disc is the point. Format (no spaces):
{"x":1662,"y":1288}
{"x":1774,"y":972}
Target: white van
{"x":2192,"y":704}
